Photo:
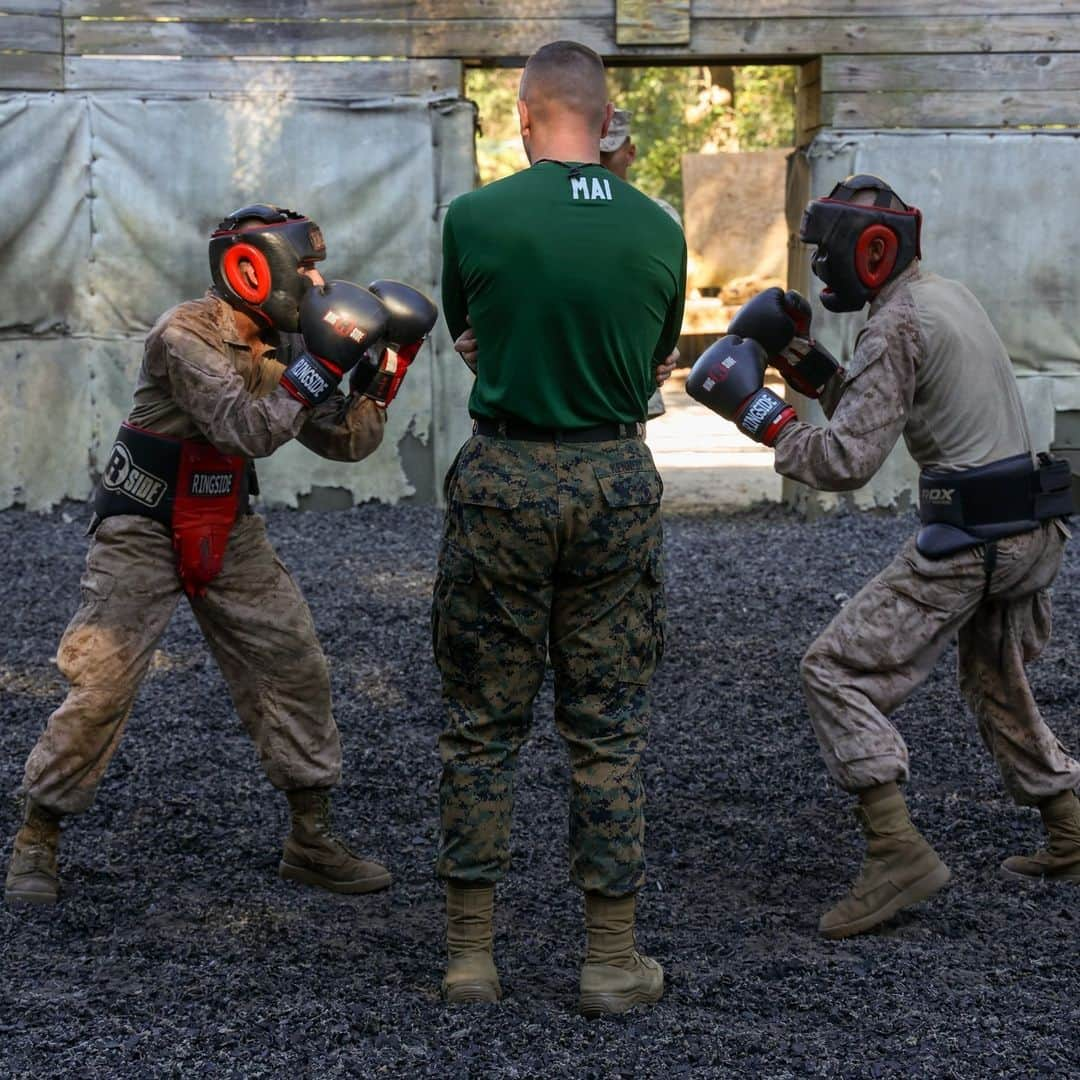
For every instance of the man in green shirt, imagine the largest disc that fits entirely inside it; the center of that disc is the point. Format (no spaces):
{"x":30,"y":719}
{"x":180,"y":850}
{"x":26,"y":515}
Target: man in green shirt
{"x":573,"y":282}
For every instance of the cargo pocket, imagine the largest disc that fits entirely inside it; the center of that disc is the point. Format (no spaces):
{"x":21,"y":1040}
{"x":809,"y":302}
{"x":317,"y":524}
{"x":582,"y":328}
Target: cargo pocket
{"x":644,"y":641}
{"x":455,"y":640}
{"x":633,"y":487}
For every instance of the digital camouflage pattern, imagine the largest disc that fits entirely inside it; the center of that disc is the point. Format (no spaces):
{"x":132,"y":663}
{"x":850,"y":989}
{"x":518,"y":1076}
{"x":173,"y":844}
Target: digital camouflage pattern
{"x":887,"y":638}
{"x":929,"y":365}
{"x":199,"y":379}
{"x":548,"y":548}
{"x":257,"y":625}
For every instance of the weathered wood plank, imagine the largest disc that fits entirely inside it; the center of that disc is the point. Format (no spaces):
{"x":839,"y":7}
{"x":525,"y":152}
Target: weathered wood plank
{"x":336,"y":9}
{"x":776,"y":38}
{"x":526,"y":9}
{"x":350,"y":79}
{"x":1004,"y":71}
{"x":467,"y":38}
{"x":807,"y":112}
{"x":30,"y":33}
{"x":30,"y":7}
{"x":31,"y":71}
{"x":951,"y":109}
{"x":792,"y":9}
{"x":737,"y":39}
{"x":652,"y":22}
{"x":809,"y":72}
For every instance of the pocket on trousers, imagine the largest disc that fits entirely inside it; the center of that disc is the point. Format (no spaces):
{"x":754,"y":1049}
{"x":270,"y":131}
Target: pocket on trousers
{"x":645,"y":632}
{"x":637,"y":487}
{"x":454,"y":637}
{"x":494,"y":489}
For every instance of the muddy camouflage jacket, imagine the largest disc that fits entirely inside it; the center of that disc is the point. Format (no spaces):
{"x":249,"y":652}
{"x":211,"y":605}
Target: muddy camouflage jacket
{"x":198,"y":378}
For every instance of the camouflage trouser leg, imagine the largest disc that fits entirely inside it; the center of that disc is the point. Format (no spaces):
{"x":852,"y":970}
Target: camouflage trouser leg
{"x":256,"y":623}
{"x":129,"y":593}
{"x":563,"y":539}
{"x":994,"y":645}
{"x":886,"y":639}
{"x":259,"y":628}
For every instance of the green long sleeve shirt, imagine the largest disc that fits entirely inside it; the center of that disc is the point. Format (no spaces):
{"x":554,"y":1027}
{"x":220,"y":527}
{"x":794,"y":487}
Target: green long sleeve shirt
{"x":574,"y":282}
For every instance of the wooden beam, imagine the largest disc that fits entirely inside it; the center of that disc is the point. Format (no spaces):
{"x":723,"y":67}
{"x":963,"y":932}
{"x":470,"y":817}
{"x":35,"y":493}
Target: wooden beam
{"x":350,"y":79}
{"x":31,"y":71}
{"x":30,"y":33}
{"x":652,"y":22}
{"x":29,"y":7}
{"x":792,"y":9}
{"x":951,"y":109}
{"x":334,"y":9}
{"x":971,"y":71}
{"x":734,"y":39}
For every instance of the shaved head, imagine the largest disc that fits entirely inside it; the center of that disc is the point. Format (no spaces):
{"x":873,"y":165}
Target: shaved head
{"x":867,"y":196}
{"x":565,"y":77}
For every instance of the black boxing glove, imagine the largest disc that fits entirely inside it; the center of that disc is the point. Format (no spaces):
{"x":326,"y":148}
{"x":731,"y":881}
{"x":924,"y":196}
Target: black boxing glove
{"x":339,"y":321}
{"x":412,"y":315}
{"x":729,"y":378}
{"x":780,"y":323}
{"x":805,"y":365}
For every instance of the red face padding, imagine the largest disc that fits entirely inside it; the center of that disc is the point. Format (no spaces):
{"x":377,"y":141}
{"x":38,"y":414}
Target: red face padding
{"x":234,"y":275}
{"x":876,"y":278}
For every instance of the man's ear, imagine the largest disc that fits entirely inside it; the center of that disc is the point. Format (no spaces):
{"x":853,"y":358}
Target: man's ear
{"x":876,"y":252}
{"x":609,"y":112}
{"x":523,"y":117}
{"x":631,"y":154}
{"x":247,"y":272}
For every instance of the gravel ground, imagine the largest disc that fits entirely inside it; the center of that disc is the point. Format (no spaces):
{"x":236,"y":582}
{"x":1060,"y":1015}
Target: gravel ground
{"x":177,"y":951}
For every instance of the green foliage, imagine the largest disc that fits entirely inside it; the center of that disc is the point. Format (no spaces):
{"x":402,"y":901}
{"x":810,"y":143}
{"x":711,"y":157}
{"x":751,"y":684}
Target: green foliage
{"x":677,"y":110}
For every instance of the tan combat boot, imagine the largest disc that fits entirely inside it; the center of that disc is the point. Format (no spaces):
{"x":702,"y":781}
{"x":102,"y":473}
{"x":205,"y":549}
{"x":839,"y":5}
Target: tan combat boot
{"x":471,"y":977}
{"x":315,"y":856}
{"x":615,"y":976}
{"x":1060,"y":859}
{"x":900,"y":869}
{"x":32,"y":876}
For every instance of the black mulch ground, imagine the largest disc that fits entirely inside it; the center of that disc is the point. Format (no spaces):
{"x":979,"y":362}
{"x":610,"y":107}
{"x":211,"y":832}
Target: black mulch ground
{"x":177,"y":951}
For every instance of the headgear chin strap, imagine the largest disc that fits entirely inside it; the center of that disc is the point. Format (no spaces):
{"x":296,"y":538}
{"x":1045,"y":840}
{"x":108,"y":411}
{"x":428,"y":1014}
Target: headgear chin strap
{"x":274,"y":242}
{"x":844,"y":231}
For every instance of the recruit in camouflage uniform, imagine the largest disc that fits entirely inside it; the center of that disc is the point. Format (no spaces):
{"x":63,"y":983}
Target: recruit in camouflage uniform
{"x":929,"y":365}
{"x":552,"y":543}
{"x":206,"y":380}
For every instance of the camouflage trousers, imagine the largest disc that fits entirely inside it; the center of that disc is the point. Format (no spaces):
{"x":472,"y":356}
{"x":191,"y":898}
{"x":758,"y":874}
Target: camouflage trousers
{"x":258,"y":628}
{"x":548,"y":548}
{"x":886,"y":639}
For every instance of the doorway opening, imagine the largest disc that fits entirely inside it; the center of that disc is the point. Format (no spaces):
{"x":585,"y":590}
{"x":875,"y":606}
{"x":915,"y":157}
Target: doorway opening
{"x":712,"y":142}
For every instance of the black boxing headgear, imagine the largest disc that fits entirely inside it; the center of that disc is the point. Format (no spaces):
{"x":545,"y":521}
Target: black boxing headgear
{"x":843,"y":232}
{"x":275,"y":242}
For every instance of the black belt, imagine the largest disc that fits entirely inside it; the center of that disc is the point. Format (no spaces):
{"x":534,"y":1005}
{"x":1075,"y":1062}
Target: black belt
{"x":513,"y":429}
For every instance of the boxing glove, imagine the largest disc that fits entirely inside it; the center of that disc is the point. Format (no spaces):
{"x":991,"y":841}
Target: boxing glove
{"x":729,"y":378}
{"x":780,"y":323}
{"x":339,"y":322}
{"x":412,"y":315}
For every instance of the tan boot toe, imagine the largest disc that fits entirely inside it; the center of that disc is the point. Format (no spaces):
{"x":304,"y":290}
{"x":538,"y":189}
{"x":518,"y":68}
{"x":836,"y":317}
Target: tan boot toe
{"x":471,"y":979}
{"x":607,"y":989}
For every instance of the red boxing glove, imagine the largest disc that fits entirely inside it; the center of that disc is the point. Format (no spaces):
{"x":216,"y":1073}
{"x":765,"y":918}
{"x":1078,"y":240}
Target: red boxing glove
{"x":390,"y":374}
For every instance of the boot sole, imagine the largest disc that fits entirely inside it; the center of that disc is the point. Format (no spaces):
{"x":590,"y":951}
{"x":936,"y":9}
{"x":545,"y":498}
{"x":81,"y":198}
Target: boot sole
{"x":471,"y":994}
{"x":919,"y":890}
{"x":1039,"y":879}
{"x":288,"y":872}
{"x":593,"y":1005}
{"x":41,"y":899}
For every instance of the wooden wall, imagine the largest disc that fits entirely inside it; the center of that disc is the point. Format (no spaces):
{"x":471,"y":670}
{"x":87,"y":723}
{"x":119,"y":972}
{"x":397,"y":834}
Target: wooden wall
{"x":867,"y":63}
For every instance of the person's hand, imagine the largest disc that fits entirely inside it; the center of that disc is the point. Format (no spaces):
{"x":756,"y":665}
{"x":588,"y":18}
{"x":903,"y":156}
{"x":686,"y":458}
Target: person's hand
{"x":664,"y":370}
{"x":467,"y":348}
